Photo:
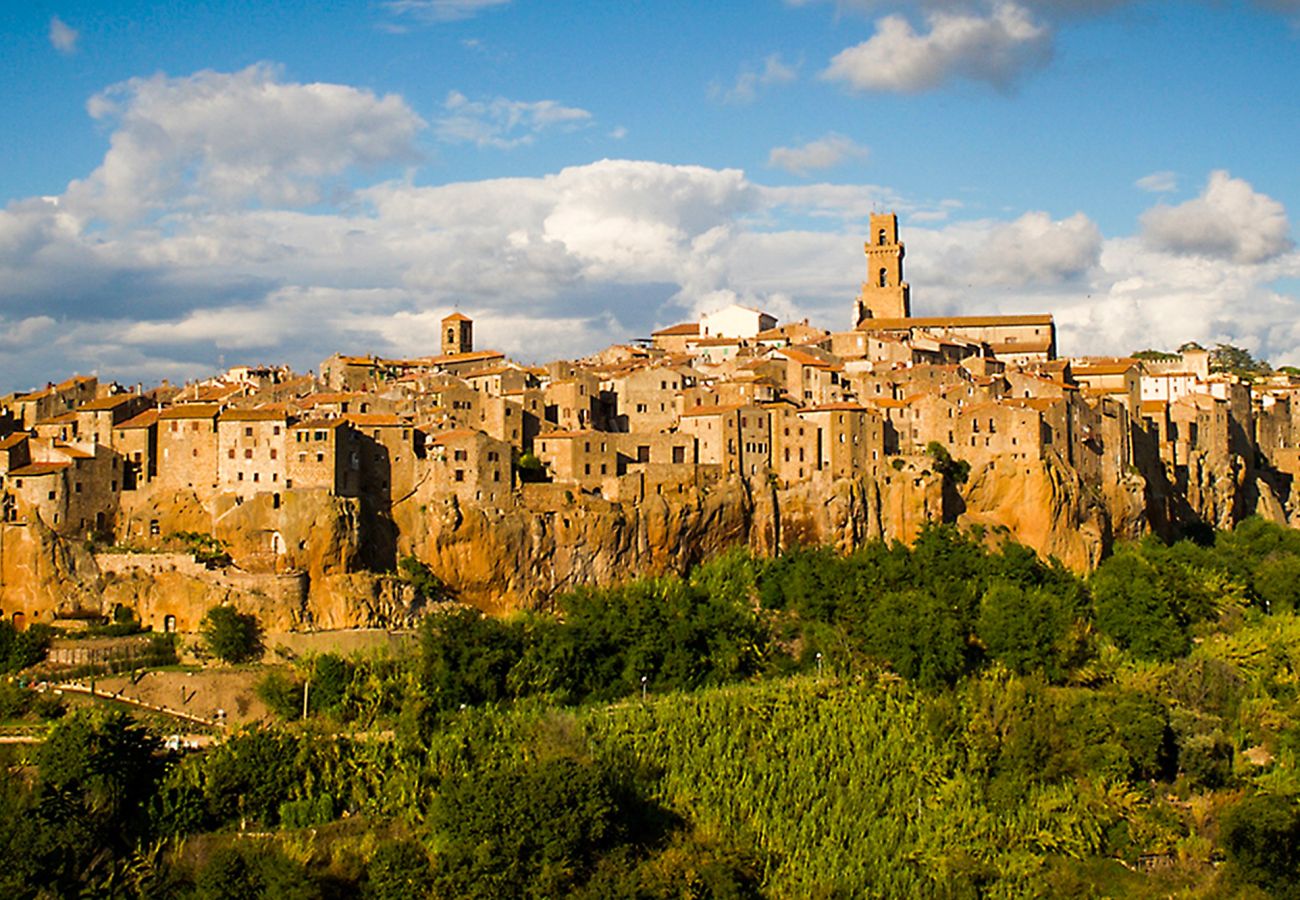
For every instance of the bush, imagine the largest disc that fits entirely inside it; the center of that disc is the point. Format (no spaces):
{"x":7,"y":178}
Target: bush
{"x":20,"y":649}
{"x":1261,"y":836}
{"x":245,"y":872}
{"x":230,"y":635}
{"x":399,"y":870}
{"x":529,"y":829}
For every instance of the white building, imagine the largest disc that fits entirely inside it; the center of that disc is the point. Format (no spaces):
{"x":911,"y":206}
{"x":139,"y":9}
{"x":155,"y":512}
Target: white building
{"x":735,"y":321}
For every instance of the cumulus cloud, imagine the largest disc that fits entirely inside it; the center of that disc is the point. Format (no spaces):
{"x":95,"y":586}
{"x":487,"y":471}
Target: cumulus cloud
{"x":750,"y":79}
{"x":504,"y":123}
{"x":1032,"y":250}
{"x":1229,"y":220}
{"x":997,"y":48}
{"x":442,"y":10}
{"x":824,"y":153}
{"x":219,"y":139}
{"x":63,"y":37}
{"x":1158,"y":182}
{"x":550,"y":266}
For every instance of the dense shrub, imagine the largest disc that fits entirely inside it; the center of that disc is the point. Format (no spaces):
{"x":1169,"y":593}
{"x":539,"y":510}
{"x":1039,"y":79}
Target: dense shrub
{"x":231,"y":636}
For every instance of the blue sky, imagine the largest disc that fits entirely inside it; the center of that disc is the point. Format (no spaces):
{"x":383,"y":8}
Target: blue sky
{"x":214,"y":184}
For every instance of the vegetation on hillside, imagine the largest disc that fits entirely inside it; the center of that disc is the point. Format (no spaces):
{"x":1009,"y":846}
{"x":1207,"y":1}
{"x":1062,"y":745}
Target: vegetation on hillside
{"x":940,"y":720}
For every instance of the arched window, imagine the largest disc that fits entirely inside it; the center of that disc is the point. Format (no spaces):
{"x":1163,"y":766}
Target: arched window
{"x":884,"y":278}
{"x":881,"y":238}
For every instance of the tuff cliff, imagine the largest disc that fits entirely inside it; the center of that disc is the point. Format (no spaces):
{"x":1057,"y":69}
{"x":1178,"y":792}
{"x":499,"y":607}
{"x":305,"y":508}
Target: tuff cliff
{"x":308,"y":559}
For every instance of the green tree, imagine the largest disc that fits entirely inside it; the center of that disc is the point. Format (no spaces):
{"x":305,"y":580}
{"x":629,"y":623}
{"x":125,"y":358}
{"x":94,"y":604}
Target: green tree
{"x":230,"y":635}
{"x":467,"y":657}
{"x":1024,"y":629}
{"x":1136,"y":610}
{"x":251,"y":774}
{"x":20,"y":649}
{"x":1261,"y":836}
{"x":920,"y":636}
{"x":529,"y":829}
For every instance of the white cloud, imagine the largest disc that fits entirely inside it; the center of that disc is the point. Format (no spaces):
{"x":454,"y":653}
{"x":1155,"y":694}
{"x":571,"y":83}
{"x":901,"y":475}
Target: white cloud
{"x":749,"y":80}
{"x":63,"y":37}
{"x":224,"y":139}
{"x":550,"y":266}
{"x":1158,"y":182}
{"x":504,"y":123}
{"x":1032,"y":250}
{"x":618,"y":133}
{"x":996,"y":49}
{"x":824,"y":153}
{"x":1229,"y":220}
{"x":442,"y":10}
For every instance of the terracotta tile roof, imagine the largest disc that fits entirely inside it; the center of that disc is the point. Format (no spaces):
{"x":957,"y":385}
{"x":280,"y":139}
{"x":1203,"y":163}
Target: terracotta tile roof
{"x":40,"y":468}
{"x":465,"y":357}
{"x":256,"y":414}
{"x":684,"y":328}
{"x":146,"y":419}
{"x":836,"y":407}
{"x":13,"y":440}
{"x":951,"y":322}
{"x":191,"y":411}
{"x":66,"y":418}
{"x":457,"y":317}
{"x":455,"y":434}
{"x":1115,"y":368}
{"x":106,"y":403}
{"x":714,"y":410}
{"x":72,"y":452}
{"x":377,"y":420}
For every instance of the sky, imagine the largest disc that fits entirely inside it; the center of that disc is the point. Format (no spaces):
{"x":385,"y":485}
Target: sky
{"x":186,"y":187}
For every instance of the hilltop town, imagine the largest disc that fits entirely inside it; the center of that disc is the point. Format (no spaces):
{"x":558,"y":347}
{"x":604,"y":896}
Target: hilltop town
{"x":297,"y":495}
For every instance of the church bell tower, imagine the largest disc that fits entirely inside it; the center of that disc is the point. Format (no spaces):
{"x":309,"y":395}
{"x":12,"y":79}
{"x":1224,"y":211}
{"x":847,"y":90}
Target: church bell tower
{"x":457,"y":334}
{"x":885,"y":294}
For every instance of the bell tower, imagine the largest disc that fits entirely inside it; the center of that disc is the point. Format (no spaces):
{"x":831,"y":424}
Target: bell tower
{"x":457,"y":334}
{"x":885,"y":295}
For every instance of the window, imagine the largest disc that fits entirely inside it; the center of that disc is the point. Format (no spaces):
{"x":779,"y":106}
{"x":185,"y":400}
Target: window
{"x":679,"y":455}
{"x":248,"y":454}
{"x":274,"y":453}
{"x":275,"y":429}
{"x":248,"y":431}
{"x":884,"y":278}
{"x":257,"y":476}
{"x":460,"y":474}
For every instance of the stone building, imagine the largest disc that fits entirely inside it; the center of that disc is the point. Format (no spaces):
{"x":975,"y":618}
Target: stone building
{"x":585,"y":458}
{"x":251,"y":451}
{"x":187,"y":447}
{"x":471,"y":465}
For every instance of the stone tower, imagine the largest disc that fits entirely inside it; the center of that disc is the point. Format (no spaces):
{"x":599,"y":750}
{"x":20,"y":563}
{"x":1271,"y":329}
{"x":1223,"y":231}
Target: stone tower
{"x":884,"y":294}
{"x":457,"y":334}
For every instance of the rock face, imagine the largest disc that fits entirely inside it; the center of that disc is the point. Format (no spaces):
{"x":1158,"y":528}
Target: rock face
{"x":311,"y":560}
